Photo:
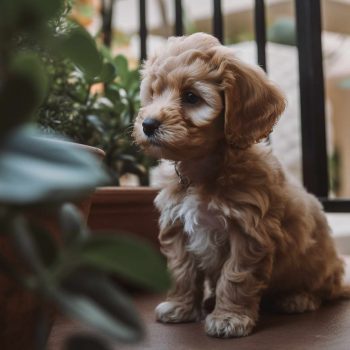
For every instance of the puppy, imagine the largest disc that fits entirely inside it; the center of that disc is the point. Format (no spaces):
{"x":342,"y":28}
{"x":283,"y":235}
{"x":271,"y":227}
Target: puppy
{"x":229,"y":216}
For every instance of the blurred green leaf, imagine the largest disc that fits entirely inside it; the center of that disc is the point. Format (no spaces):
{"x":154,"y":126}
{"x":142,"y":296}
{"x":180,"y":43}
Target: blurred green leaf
{"x":29,"y":64}
{"x":72,"y":223}
{"x":9,"y":13}
{"x":133,"y":81}
{"x":27,"y":14}
{"x":20,"y":233}
{"x":96,"y":122}
{"x":112,"y":92}
{"x":106,"y":53}
{"x":45,"y":245}
{"x":108,"y":73}
{"x":23,"y":91}
{"x":89,"y":297}
{"x":80,"y":48}
{"x":127,"y":257}
{"x":36,"y":170}
{"x":45,"y":9}
{"x":121,"y":64}
{"x":18,"y":100}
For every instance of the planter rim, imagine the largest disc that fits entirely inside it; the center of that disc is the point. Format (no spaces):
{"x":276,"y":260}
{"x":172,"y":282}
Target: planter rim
{"x":98,"y":151}
{"x":95,"y":150}
{"x":115,"y":194}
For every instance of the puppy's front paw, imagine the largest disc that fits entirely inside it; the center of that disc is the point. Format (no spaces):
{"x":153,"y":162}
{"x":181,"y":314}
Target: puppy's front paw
{"x":176,"y":312}
{"x":228,"y":325}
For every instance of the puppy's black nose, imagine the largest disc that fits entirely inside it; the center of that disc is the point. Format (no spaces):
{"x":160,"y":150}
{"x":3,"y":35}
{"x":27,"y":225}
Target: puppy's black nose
{"x":150,"y":125}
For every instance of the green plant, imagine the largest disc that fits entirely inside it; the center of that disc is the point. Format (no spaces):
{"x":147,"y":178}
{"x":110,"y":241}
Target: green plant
{"x":104,"y":118}
{"x":38,"y":174}
{"x":95,"y":109}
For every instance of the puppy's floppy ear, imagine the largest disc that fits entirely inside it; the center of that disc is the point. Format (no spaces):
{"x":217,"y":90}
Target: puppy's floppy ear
{"x":252,"y":103}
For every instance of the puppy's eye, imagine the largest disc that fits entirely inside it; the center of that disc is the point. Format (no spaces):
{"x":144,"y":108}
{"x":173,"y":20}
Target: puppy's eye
{"x":190,"y":98}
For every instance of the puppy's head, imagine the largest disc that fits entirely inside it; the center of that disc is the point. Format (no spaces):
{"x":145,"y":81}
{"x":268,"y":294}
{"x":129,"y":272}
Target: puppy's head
{"x":196,"y":95}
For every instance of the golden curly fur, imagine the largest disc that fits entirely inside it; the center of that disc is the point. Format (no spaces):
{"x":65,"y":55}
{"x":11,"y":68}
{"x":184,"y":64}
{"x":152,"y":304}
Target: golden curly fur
{"x":237,"y":223}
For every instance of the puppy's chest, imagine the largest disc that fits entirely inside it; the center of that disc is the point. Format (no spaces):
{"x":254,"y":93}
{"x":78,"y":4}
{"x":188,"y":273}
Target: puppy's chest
{"x":206,"y":227}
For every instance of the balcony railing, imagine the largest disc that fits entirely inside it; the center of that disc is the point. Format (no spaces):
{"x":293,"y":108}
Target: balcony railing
{"x":312,"y":101}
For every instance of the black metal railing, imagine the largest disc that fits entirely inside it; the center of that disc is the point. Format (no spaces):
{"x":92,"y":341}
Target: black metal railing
{"x":179,"y":26}
{"x":260,"y":32}
{"x":315,"y":169}
{"x":312,"y":106}
{"x":218,"y":24}
{"x":143,"y":30}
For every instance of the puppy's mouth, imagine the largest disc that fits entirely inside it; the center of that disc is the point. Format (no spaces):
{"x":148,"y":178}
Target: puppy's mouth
{"x":154,"y":141}
{"x":157,"y":147}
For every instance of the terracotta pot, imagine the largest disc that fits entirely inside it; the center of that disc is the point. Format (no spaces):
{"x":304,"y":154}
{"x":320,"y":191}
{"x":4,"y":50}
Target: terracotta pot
{"x":18,"y":307}
{"x":85,"y":203}
{"x":128,"y":209}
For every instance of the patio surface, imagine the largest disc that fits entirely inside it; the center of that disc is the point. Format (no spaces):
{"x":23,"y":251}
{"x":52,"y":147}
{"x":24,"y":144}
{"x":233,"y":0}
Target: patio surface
{"x":325,"y":329}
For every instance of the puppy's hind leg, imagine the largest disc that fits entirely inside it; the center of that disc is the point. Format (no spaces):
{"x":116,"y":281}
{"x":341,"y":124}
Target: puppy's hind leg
{"x":183,"y":303}
{"x":297,"y":303}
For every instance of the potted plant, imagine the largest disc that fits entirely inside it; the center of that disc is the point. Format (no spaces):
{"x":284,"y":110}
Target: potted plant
{"x":98,"y":110}
{"x":49,"y":260}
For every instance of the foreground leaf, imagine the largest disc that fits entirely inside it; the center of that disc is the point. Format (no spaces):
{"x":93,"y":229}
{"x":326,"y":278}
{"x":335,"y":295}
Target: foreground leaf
{"x":27,"y":14}
{"x":121,"y":64}
{"x":29,"y":64}
{"x":72,"y":223}
{"x":45,"y":244}
{"x":108,"y":73}
{"x":89,"y":297}
{"x":132,"y":259}
{"x":25,"y":245}
{"x":35,"y":170}
{"x":23,"y":91}
{"x":18,"y":100}
{"x":80,"y":48}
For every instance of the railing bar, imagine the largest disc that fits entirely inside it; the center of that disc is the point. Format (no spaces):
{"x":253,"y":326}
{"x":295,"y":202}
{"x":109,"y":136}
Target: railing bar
{"x":260,"y":38}
{"x":218,"y":21}
{"x":179,"y":30}
{"x":143,"y":30}
{"x":336,"y":205}
{"x":313,"y":130}
{"x":260,"y":32}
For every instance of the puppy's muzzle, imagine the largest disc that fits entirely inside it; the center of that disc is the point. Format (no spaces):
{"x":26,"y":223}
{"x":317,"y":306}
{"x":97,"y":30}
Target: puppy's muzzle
{"x":150,"y":126}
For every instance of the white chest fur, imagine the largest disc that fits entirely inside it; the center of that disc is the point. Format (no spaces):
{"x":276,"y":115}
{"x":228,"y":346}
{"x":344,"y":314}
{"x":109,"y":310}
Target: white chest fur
{"x":203,"y":221}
